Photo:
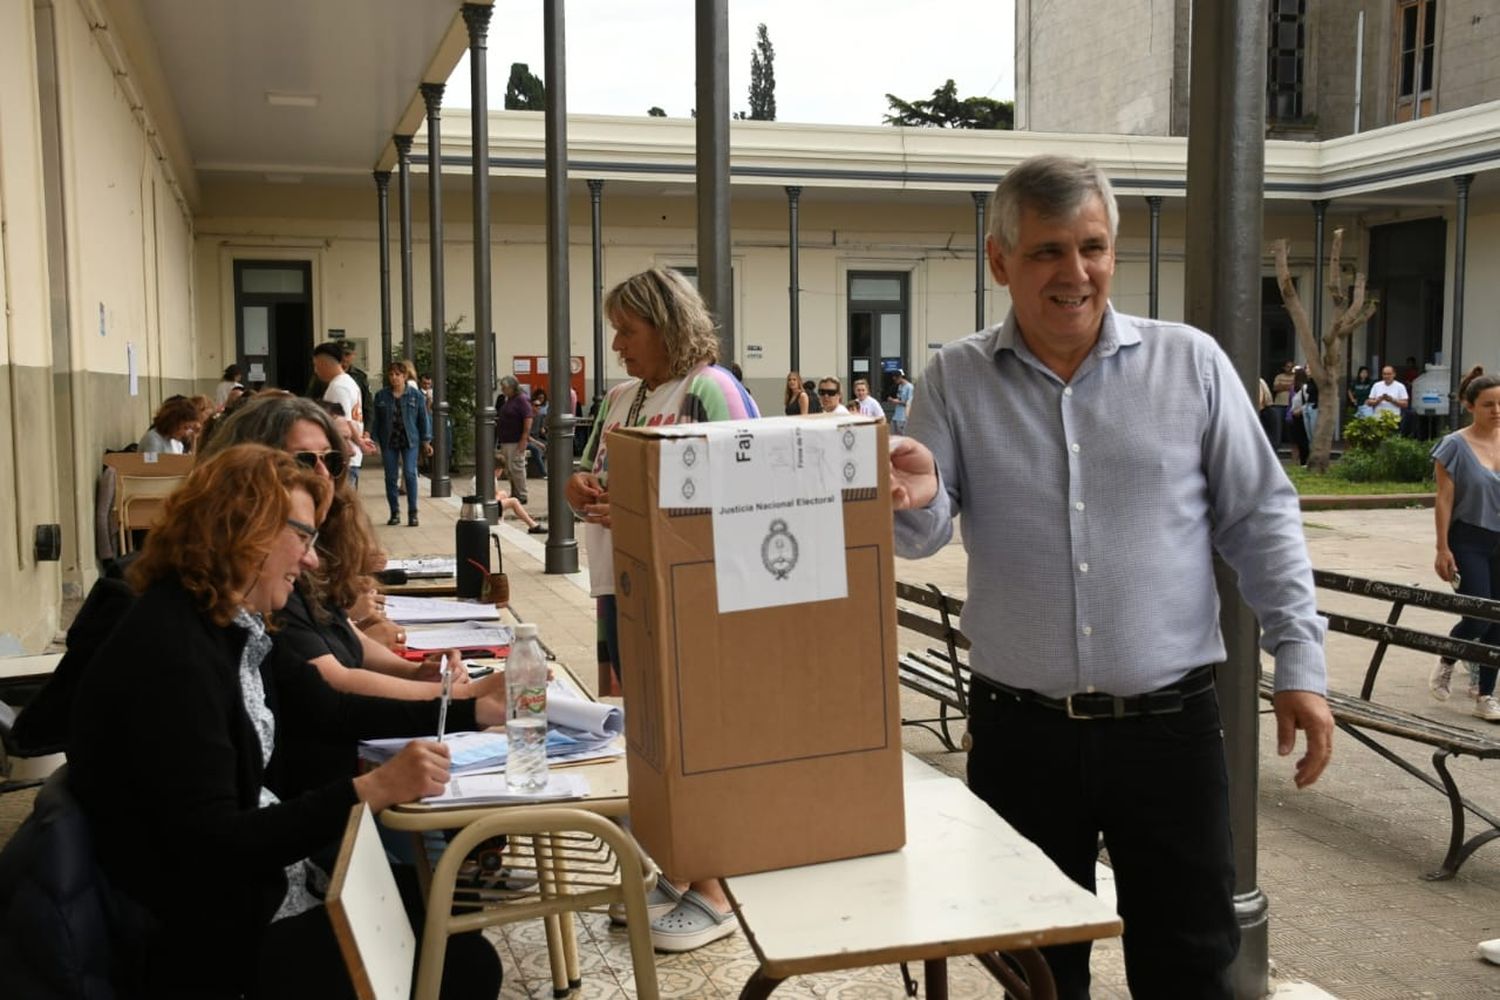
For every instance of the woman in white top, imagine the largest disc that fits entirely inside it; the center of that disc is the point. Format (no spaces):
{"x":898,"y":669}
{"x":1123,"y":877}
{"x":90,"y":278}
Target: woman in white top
{"x":174,"y":425}
{"x":230,"y":379}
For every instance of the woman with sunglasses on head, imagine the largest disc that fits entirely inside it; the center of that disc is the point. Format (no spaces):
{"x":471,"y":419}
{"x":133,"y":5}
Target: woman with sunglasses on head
{"x":667,"y":343}
{"x":192,"y":683}
{"x":316,"y":620}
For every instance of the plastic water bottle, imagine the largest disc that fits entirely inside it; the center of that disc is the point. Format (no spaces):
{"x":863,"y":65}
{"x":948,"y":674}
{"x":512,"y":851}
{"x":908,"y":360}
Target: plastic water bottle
{"x":526,"y":713}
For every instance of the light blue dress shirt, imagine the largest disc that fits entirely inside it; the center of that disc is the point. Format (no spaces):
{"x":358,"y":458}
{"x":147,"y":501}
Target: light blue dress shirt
{"x":1092,"y":510}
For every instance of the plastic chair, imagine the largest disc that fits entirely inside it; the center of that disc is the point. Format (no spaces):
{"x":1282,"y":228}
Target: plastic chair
{"x":581,"y":860}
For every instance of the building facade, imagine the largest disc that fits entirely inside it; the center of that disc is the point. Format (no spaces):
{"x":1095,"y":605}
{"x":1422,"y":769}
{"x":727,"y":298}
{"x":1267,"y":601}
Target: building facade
{"x":163,"y":218}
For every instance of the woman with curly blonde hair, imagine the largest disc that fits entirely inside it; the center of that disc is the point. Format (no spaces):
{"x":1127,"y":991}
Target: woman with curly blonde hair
{"x":191,"y":679}
{"x":668,"y":346}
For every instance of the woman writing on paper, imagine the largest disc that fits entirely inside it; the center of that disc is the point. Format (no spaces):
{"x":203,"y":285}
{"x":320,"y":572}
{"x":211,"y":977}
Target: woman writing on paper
{"x":191,"y":683}
{"x":667,"y":343}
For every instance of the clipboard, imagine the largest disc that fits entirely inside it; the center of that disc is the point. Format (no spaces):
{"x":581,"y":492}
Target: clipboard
{"x":369,"y":920}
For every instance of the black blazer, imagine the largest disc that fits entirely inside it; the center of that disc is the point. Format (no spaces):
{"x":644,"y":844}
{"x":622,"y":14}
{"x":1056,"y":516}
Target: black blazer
{"x":168,"y":769}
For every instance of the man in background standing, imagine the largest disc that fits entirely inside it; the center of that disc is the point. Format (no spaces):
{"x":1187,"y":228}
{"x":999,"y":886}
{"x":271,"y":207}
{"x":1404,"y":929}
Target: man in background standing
{"x":328,"y":366}
{"x":902,"y":398}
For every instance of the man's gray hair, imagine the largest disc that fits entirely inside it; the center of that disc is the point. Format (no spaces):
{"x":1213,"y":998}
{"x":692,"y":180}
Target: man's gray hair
{"x":509,"y":382}
{"x":1055,"y":187}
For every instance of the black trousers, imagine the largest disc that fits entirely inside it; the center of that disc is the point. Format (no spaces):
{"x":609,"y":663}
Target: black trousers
{"x":300,"y":958}
{"x":1476,"y":551}
{"x":1157,"y":788}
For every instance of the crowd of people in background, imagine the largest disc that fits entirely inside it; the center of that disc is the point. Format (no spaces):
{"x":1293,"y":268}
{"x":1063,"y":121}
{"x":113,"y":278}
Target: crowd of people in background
{"x":1290,"y":411}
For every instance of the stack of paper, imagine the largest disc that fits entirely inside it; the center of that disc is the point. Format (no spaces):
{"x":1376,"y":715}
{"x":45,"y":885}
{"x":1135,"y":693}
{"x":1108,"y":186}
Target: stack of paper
{"x":432,"y":567}
{"x":484,"y":638}
{"x":427,"y":610}
{"x":473,"y":753}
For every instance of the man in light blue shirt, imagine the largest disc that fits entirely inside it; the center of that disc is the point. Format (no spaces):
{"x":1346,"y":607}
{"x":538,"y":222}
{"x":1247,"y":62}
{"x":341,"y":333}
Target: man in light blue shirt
{"x":1100,"y":461}
{"x":902,"y":399}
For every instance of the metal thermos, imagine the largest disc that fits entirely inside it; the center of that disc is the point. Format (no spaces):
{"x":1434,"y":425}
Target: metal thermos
{"x":471,"y":538}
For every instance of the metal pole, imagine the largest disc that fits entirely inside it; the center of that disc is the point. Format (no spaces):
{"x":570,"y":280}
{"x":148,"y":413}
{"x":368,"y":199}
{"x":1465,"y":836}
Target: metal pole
{"x":477,"y":20}
{"x":596,"y":194}
{"x":979,"y":261}
{"x":562,"y":547}
{"x":1320,"y":216}
{"x":403,"y":198}
{"x":383,"y":199}
{"x":715,"y":278}
{"x":1460,"y":254}
{"x":794,"y":285}
{"x":1153,"y":202}
{"x":1226,"y":168}
{"x":442,"y":484}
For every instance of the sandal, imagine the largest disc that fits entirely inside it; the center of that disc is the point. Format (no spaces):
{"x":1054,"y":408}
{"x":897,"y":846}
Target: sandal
{"x":537,"y":529}
{"x":694,"y":923}
{"x":661,"y":900}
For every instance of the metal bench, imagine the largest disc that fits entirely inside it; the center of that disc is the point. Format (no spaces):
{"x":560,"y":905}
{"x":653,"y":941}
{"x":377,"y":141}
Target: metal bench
{"x":939,"y":673}
{"x":1359,"y":716}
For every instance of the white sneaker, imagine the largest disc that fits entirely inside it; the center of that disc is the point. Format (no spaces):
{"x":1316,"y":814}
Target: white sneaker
{"x":1487,"y":708}
{"x":1441,"y":680}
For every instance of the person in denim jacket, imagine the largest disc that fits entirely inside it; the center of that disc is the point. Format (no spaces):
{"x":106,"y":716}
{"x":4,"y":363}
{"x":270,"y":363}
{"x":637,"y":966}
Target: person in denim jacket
{"x":401,"y":426}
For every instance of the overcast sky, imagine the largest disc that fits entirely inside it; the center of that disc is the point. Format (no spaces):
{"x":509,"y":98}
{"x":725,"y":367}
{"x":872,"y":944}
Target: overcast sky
{"x":835,"y":59}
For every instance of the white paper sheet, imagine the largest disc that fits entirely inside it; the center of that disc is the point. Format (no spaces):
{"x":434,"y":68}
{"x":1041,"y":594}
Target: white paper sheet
{"x":469,"y":635}
{"x":778,"y":514}
{"x":473,"y":789}
{"x":426,"y":610}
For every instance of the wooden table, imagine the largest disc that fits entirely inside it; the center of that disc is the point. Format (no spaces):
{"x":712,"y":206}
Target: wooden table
{"x":965,"y":884}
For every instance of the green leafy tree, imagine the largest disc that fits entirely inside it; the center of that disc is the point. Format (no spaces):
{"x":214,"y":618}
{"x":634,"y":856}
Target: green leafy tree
{"x":945,"y":109}
{"x":762,"y":78}
{"x":459,"y":382}
{"x":524,"y":91}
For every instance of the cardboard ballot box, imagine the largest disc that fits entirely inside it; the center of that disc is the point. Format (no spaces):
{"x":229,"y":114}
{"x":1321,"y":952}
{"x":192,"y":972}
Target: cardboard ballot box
{"x":754,"y":581}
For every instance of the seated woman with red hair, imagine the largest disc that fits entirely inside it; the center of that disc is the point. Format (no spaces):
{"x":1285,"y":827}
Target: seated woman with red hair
{"x":173,"y":751}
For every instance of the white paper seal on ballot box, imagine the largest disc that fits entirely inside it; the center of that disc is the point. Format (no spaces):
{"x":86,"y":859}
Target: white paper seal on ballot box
{"x":773,"y":489}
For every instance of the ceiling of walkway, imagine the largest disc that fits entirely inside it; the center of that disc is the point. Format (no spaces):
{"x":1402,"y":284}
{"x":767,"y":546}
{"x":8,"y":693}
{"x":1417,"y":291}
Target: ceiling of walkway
{"x":293,"y":88}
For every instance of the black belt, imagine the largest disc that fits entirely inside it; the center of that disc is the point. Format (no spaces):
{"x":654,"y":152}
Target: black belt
{"x":1097,"y":704}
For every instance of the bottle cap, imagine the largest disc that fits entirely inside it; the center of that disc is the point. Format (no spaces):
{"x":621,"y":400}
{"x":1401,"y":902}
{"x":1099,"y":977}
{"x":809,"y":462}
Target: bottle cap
{"x":526,"y":631}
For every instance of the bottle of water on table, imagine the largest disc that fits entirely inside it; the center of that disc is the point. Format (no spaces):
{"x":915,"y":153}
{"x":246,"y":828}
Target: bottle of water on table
{"x":526,"y":713}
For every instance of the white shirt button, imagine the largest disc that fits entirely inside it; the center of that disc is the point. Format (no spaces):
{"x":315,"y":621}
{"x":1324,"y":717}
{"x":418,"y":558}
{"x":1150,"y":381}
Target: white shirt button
{"x":1083,"y":567}
{"x":1090,"y":689}
{"x":1088,"y":630}
{"x":1078,"y":505}
{"x":1068,"y":390}
{"x":1075,"y":447}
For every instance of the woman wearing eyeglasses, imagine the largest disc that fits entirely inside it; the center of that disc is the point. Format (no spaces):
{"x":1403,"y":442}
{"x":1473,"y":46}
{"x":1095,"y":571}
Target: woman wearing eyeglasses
{"x":316,"y":621}
{"x":191,"y":682}
{"x":666,"y":341}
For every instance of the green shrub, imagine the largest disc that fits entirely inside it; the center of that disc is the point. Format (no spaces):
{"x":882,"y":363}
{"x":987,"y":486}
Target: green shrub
{"x":460,"y":382}
{"x":1396,"y":459}
{"x":1366,"y":433}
